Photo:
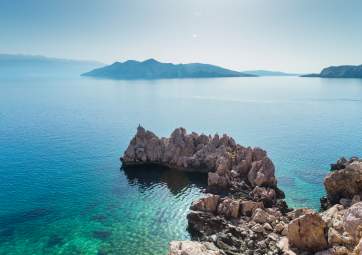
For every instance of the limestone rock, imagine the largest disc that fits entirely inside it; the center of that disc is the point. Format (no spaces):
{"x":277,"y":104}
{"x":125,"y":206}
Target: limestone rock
{"x":229,"y":208}
{"x":265,"y":195}
{"x":261,"y":216}
{"x":204,"y":224}
{"x":225,"y":161}
{"x":358,"y":249}
{"x":193,"y":248}
{"x":248,"y":207}
{"x":262,"y":173}
{"x":206,"y":204}
{"x":344,"y":183}
{"x":352,"y":221}
{"x":308,"y":232}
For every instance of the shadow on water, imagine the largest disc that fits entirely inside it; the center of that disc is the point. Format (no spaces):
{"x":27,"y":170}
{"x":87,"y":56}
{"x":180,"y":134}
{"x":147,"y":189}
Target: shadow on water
{"x":147,"y":176}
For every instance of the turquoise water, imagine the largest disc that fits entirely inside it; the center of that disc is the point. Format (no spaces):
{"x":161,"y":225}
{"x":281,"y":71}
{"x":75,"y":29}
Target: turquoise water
{"x":62,"y":190}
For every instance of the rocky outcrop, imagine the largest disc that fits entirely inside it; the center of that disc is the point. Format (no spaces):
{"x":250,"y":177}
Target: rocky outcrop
{"x":193,"y":248}
{"x":352,"y":221}
{"x":344,"y":183}
{"x":244,"y":212}
{"x":227,"y":163}
{"x":308,"y":232}
{"x":209,"y":203}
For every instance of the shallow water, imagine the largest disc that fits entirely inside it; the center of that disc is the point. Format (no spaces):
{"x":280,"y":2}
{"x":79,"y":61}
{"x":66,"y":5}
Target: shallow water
{"x":62,"y":190}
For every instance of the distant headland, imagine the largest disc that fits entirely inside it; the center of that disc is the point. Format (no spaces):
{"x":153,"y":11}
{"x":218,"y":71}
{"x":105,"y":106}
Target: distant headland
{"x":153,"y":69}
{"x":20,"y":65}
{"x":344,"y":71}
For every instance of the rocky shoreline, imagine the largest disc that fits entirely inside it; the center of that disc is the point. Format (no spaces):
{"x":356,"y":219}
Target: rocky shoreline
{"x":244,"y":211}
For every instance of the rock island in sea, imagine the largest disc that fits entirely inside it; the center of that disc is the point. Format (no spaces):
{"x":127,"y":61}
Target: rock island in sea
{"x":243,"y":210}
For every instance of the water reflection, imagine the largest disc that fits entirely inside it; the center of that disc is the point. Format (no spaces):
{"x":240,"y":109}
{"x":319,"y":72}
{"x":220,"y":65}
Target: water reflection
{"x":176,"y":181}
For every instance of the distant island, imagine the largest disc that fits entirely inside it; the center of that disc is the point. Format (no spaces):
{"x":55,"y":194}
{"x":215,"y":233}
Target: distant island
{"x":153,"y":69}
{"x":345,"y":71}
{"x":18,"y":65}
{"x":269,"y":73}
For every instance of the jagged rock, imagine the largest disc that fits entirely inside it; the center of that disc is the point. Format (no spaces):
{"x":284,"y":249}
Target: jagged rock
{"x":248,"y":207}
{"x":336,"y":250}
{"x":308,"y":232}
{"x":279,"y":228}
{"x":335,"y":238}
{"x":229,"y":208}
{"x":344,"y":183}
{"x":283,"y":245}
{"x":299,"y":212}
{"x":334,"y":217}
{"x":345,"y":202}
{"x":257,"y":228}
{"x":193,"y":248}
{"x":262,"y":173}
{"x":204,"y":224}
{"x":352,"y":221}
{"x":217,"y":182}
{"x":225,"y":161}
{"x":261,"y":216}
{"x":265,"y":195}
{"x":267,"y":227}
{"x":342,"y":163}
{"x":356,"y":199}
{"x":206,"y":204}
{"x":358,"y":249}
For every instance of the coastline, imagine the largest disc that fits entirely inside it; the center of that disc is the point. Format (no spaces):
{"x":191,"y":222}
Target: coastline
{"x":244,"y":211}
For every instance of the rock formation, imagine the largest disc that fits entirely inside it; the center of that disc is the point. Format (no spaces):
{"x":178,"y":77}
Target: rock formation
{"x":244,"y":211}
{"x":344,"y":183}
{"x":193,"y":248}
{"x":228,"y":164}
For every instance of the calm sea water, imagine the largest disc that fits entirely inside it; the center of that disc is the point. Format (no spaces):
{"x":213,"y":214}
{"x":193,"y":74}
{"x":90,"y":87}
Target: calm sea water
{"x":61,"y":187}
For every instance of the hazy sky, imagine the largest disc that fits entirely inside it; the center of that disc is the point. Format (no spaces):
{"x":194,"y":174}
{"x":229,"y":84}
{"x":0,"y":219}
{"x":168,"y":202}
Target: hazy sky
{"x":288,"y":35}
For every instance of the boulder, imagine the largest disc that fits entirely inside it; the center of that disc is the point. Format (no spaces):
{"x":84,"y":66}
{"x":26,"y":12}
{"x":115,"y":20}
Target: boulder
{"x":248,"y":207}
{"x":193,"y":248}
{"x":342,"y":163}
{"x":336,"y":250}
{"x":344,"y":183}
{"x":358,"y":249}
{"x":262,"y":173}
{"x":206,"y":204}
{"x":229,"y":208}
{"x":336,"y":238}
{"x":308,"y":233}
{"x":334,"y":217}
{"x":352,"y":221}
{"x":261,"y":216}
{"x":204,"y":224}
{"x":265,"y":195}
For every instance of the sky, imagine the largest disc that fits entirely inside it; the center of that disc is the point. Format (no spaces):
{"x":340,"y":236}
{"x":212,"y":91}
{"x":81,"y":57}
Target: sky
{"x":287,"y":35}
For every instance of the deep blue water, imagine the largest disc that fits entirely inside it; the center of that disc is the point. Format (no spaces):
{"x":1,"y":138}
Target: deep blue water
{"x":61,"y":187}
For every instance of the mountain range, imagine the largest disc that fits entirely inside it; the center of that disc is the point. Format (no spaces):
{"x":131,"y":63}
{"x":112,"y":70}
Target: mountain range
{"x":153,"y":69}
